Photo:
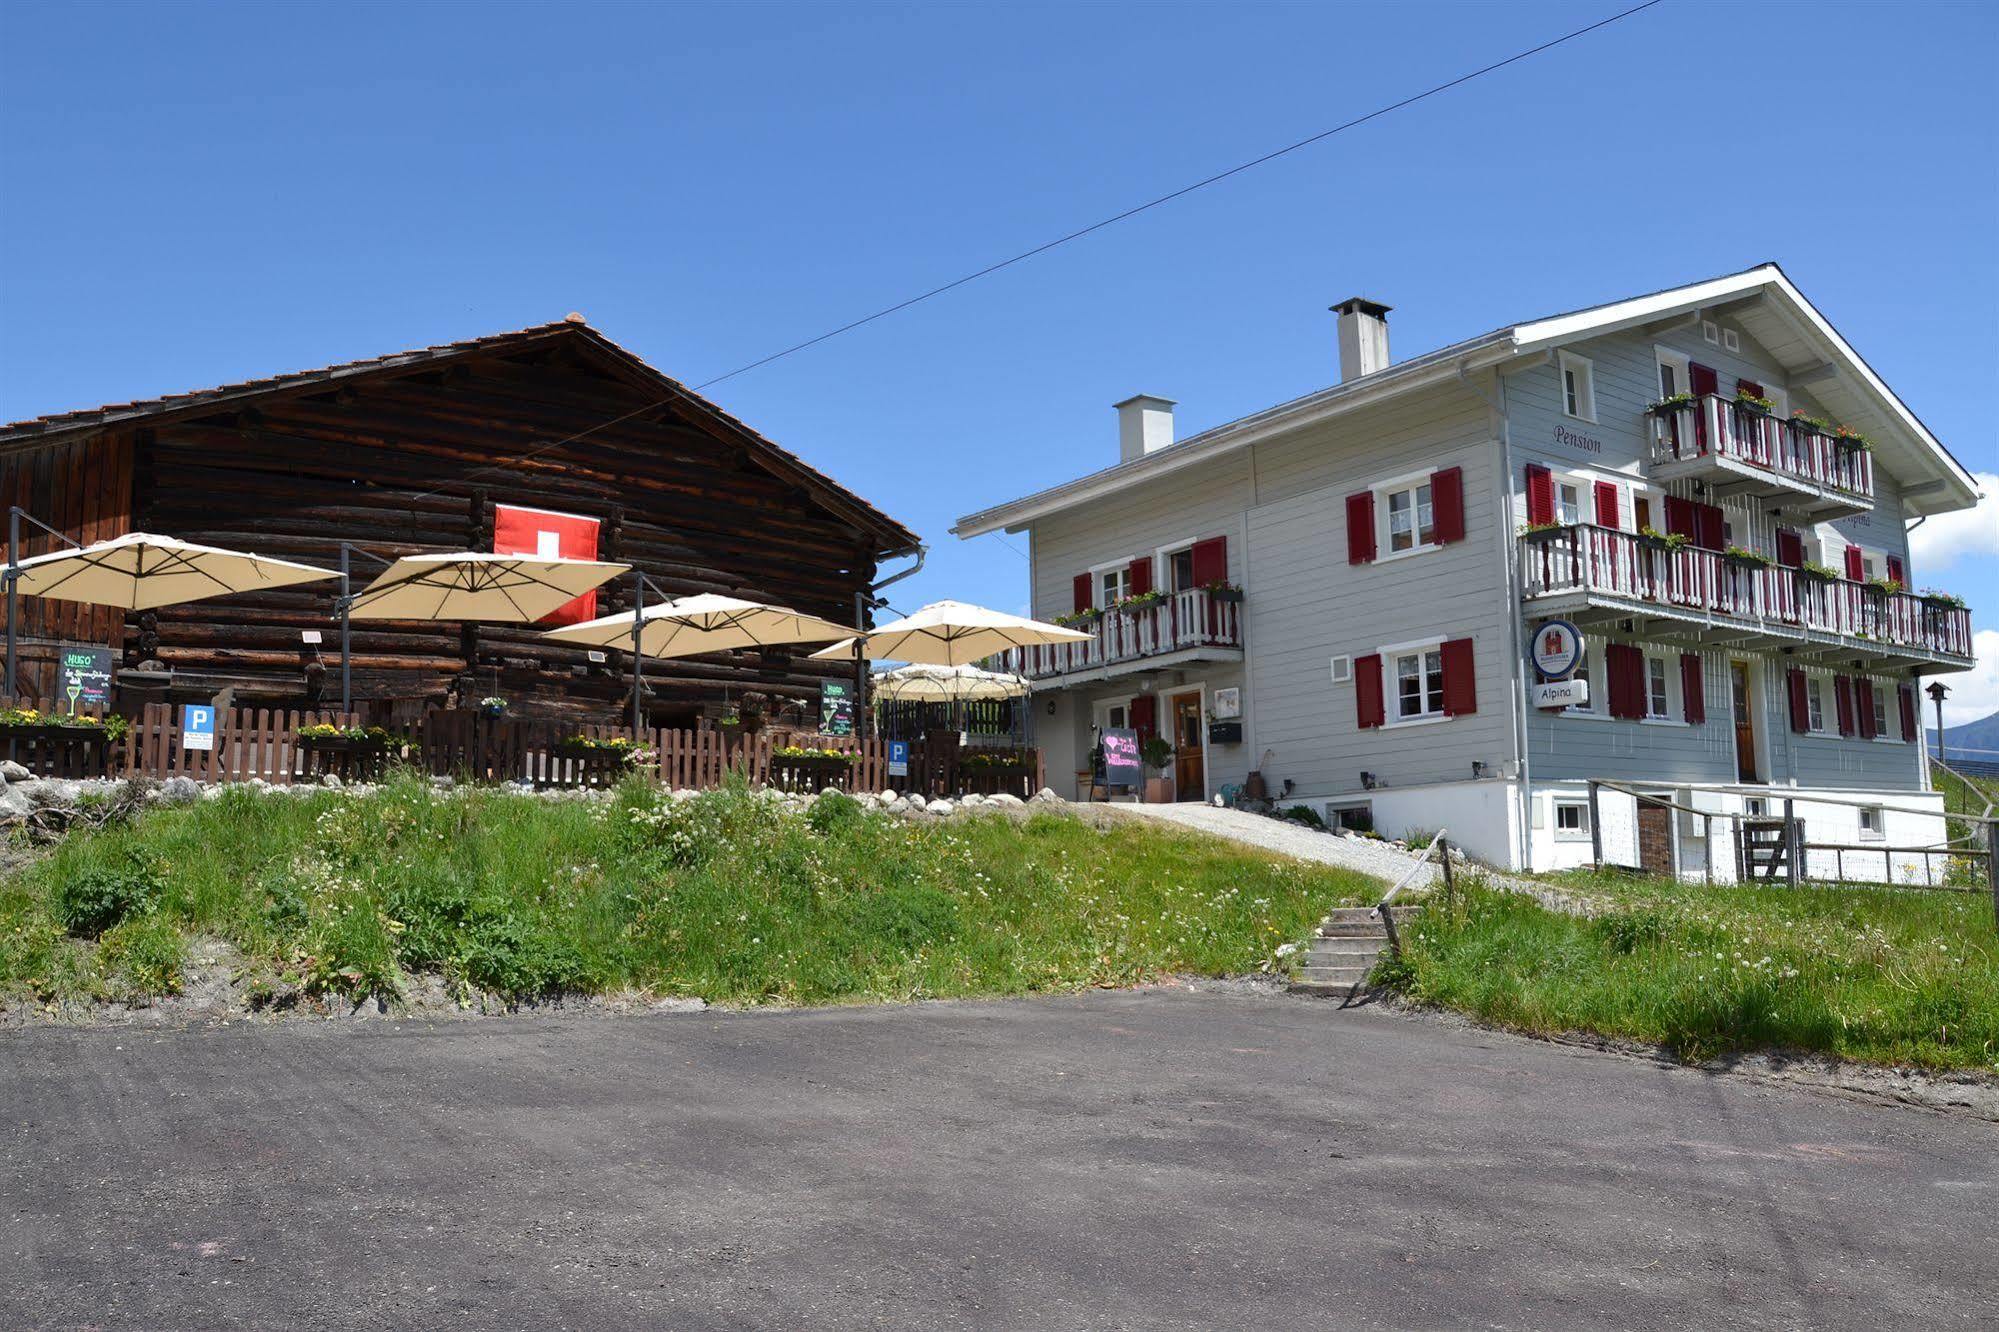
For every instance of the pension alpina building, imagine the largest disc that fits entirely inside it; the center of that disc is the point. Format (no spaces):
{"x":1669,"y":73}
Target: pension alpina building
{"x":1695,"y":503}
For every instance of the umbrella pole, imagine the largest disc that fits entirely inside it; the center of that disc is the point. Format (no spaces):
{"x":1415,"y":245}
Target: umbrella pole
{"x":346,"y":633}
{"x":13,"y":588}
{"x":638,"y":662}
{"x":860,"y":666}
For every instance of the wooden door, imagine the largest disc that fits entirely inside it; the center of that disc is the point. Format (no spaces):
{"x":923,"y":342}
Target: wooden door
{"x":1190,"y":778}
{"x":1741,"y":701}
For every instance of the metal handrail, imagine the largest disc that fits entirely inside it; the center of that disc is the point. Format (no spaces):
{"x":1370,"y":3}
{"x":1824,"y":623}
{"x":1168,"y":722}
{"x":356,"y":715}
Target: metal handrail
{"x":1408,"y":877}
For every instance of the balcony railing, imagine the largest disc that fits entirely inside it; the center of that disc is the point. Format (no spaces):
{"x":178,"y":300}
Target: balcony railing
{"x":1183,"y":621}
{"x":1605,"y":562}
{"x":1712,"y":426}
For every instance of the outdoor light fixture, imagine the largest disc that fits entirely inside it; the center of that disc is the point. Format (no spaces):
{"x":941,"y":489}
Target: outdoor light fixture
{"x":1368,"y":781}
{"x":1937,"y":690}
{"x":1051,"y":707}
{"x":1479,"y":768}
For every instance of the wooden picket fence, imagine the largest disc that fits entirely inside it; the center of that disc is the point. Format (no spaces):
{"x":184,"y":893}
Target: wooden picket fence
{"x":264,"y":743}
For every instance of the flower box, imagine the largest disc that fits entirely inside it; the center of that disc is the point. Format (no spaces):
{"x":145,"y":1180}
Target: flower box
{"x":1543,"y":531}
{"x":1227,"y":596}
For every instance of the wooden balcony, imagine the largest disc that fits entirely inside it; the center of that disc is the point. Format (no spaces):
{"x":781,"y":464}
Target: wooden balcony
{"x":1184,"y":627}
{"x":1738,"y":450}
{"x":1603,"y":573}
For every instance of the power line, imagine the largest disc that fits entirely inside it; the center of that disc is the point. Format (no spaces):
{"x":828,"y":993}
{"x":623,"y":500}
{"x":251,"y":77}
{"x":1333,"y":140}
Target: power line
{"x":1184,"y":190}
{"x":1081,"y":232}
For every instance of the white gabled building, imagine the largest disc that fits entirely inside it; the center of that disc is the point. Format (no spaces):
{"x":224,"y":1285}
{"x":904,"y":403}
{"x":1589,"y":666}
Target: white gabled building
{"x":1342,"y":590}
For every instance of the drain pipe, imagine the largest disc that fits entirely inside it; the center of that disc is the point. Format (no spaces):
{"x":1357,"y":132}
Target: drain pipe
{"x":864,"y":604}
{"x":1509,"y":557}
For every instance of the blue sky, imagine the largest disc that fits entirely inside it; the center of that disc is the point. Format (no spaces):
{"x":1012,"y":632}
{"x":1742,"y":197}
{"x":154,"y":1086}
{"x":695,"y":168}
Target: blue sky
{"x":199,"y":193}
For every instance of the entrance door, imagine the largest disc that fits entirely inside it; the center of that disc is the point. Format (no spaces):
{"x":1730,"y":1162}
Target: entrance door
{"x":1190,"y":775}
{"x":1742,"y":702}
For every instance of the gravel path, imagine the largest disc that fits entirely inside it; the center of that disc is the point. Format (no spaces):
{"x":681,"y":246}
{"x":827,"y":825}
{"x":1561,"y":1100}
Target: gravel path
{"x":1289,"y":839}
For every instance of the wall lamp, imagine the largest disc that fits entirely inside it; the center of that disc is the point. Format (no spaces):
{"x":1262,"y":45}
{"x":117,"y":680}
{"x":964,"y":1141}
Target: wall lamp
{"x":1369,"y":781}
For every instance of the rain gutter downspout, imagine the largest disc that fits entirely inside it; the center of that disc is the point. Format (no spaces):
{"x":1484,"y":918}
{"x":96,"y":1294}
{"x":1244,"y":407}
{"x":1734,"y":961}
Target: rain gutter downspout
{"x":864,"y":605}
{"x":1516,"y":701}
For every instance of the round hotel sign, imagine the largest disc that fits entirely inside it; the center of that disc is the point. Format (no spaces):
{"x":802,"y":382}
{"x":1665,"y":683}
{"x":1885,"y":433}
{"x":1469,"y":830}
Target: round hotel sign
{"x":1558,"y":647}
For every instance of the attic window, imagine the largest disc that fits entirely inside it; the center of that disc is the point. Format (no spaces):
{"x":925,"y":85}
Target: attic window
{"x":1731,"y":340}
{"x":1578,"y":387}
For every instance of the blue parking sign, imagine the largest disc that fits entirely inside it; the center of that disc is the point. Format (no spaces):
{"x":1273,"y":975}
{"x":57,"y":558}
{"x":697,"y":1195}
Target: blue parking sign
{"x":898,"y":758}
{"x":197,"y":726}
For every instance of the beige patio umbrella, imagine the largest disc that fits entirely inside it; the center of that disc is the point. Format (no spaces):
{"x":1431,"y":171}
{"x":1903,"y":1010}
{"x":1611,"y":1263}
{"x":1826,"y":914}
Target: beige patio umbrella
{"x":945,"y":684}
{"x":706,"y":622}
{"x":950,"y":633}
{"x":690,"y":626}
{"x":142,"y":571}
{"x":477,"y":585}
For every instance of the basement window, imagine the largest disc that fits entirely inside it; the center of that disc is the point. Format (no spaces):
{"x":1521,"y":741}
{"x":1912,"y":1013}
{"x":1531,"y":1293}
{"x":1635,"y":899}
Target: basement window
{"x":1873,"y":823}
{"x":1571,"y":821}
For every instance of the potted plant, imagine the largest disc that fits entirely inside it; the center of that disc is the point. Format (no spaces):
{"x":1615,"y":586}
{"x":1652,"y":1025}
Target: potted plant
{"x":1156,"y":753}
{"x":729,"y":722}
{"x":1224,"y":591}
{"x":1139,"y":602}
{"x":1540,"y":530}
{"x":1761,"y":406}
{"x":1823,"y":573}
{"x":1945,"y":600}
{"x":66,"y":744}
{"x":1886,"y":586}
{"x":1816,"y":425}
{"x":1654,"y":539}
{"x":493,"y":707}
{"x":753,"y":709}
{"x":1670,"y":404}
{"x":808,"y":768}
{"x":1742,"y":558}
{"x":1850,"y":438}
{"x":1087,"y":616}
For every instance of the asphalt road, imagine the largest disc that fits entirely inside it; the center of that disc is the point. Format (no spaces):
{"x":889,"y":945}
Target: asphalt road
{"x":1141,"y":1159}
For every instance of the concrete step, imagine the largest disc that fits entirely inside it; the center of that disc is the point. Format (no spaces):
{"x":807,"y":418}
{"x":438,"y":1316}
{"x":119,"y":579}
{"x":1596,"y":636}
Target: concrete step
{"x":1370,"y":929}
{"x":1325,"y":989}
{"x":1348,"y":975}
{"x":1344,"y":952}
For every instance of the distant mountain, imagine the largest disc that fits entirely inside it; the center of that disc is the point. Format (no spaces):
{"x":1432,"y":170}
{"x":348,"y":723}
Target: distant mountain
{"x":1971,"y":738}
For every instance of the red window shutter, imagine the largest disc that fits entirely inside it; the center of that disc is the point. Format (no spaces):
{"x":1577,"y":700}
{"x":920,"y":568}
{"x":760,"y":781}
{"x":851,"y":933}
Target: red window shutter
{"x":1790,"y":548}
{"x":1360,"y":527}
{"x":1625,"y":665}
{"x":1910,"y":726}
{"x":1895,"y":570}
{"x":1842,"y":689}
{"x":1856,"y":564}
{"x":1145,"y":717}
{"x":1693,"y":688}
{"x":1367,"y":701}
{"x":1680,"y":520}
{"x":1211,"y":561}
{"x":1749,"y":386}
{"x":1863,"y":707}
{"x":1606,"y":504}
{"x":1701,"y":378}
{"x":1460,"y":678}
{"x":1540,"y":494}
{"x":1712,"y":524}
{"x":1801,"y":707}
{"x":1081,"y":587}
{"x":1139,"y":574}
{"x":1447,"y":504}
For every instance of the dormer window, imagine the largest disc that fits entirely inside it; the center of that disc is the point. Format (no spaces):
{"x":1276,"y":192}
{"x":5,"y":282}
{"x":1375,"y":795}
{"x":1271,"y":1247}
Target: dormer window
{"x":1578,"y":387}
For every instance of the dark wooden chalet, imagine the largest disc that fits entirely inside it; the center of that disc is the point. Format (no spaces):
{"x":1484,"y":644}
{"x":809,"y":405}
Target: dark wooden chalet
{"x":417,"y":452}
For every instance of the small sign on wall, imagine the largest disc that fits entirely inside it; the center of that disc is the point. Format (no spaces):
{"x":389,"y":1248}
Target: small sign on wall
{"x":1228,"y":704}
{"x":1559,"y":694}
{"x":1558,"y":649}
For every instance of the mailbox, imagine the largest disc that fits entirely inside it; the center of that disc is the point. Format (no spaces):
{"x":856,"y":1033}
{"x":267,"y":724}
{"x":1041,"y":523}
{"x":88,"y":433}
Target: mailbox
{"x":1225,"y":733}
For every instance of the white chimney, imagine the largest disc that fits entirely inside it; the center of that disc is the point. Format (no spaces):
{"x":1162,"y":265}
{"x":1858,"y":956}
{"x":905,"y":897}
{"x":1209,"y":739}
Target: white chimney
{"x":1363,"y":337}
{"x":1144,"y":425}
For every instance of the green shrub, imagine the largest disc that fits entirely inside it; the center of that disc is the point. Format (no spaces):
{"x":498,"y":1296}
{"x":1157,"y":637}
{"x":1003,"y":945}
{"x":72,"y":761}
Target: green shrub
{"x":1304,"y":814}
{"x":832,"y":811}
{"x":142,"y":958}
{"x":98,"y":898}
{"x":511,"y":957}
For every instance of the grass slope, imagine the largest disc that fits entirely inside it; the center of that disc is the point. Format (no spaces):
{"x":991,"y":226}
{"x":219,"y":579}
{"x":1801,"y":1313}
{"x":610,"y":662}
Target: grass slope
{"x":1871,"y":974}
{"x":726,"y":897}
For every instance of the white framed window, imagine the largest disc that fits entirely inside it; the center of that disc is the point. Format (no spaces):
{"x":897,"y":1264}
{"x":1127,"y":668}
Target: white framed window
{"x":1710,"y":332}
{"x":1578,"y":387}
{"x":1113,"y":714}
{"x":1342,"y":669}
{"x":1873,"y":823}
{"x":1880,"y":711}
{"x":1411,"y":522}
{"x":1756,"y":807}
{"x":1568,"y":502}
{"x":1731,"y":340}
{"x":1657,"y":699}
{"x":1673,"y":374}
{"x":1815,"y":704}
{"x":1571,"y":820}
{"x":1112,"y":584}
{"x":1586,"y":672}
{"x":1417,"y":678}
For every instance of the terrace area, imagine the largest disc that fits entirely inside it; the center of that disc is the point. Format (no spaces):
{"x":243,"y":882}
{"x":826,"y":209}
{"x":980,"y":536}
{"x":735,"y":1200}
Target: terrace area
{"x":1811,"y":471}
{"x":1176,"y":627}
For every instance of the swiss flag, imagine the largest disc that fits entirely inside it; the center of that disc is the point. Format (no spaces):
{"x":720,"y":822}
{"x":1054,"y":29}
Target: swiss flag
{"x":541,"y":532}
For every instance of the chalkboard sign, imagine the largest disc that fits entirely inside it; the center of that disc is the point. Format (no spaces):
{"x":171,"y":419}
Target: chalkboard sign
{"x":836,"y":708}
{"x":84,"y":677}
{"x":1122,"y":766}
